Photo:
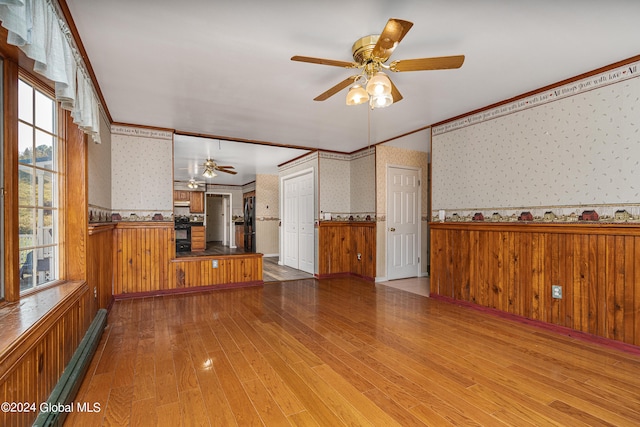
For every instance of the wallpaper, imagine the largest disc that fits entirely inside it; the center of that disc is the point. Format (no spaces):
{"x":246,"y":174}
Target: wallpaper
{"x":555,"y":160}
{"x":141,"y":172}
{"x":363,"y":179}
{"x":335,"y":178}
{"x":347,"y":185}
{"x":267,"y":197}
{"x":99,"y":176}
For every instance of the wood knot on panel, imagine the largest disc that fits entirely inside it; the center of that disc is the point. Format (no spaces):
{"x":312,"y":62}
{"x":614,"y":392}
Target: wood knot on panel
{"x":180,"y":278}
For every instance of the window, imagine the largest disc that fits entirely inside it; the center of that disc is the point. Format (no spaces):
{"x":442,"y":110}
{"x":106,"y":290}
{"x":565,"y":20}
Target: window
{"x":38,"y":178}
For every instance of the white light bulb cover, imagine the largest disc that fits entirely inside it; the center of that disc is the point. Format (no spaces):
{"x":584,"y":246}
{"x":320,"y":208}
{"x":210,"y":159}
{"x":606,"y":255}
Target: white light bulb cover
{"x":209,"y":173}
{"x":357,"y":95}
{"x":379,"y":84}
{"x":381,"y":101}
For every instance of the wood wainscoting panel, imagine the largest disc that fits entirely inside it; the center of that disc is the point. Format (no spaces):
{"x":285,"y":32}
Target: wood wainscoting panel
{"x":100,"y":263}
{"x":232,"y":270}
{"x":334,"y":254}
{"x":32,"y":359}
{"x":363,"y":242}
{"x":142,"y":254}
{"x":512,"y":268}
{"x":340,"y":242}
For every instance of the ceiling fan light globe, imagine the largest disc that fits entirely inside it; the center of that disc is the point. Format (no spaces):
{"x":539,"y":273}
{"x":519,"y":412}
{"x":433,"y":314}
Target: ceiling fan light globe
{"x":381,"y":101}
{"x":209,"y":173}
{"x":357,"y":95}
{"x":379,"y":84}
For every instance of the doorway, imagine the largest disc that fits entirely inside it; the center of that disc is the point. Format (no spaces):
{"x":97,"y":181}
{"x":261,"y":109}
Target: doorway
{"x":298,"y":195}
{"x":218,"y":222}
{"x":403,"y":222}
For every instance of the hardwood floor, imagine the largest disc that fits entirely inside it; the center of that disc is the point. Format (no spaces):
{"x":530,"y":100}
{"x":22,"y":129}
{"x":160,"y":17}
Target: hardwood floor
{"x":346,"y":352}
{"x":416,"y":285}
{"x":272,"y":272}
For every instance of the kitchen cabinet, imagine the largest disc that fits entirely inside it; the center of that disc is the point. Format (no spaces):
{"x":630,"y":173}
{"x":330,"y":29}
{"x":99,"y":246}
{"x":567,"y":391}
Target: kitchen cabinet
{"x":240,"y":235}
{"x":196,"y":199}
{"x":198,"y":240}
{"x":181,"y":196}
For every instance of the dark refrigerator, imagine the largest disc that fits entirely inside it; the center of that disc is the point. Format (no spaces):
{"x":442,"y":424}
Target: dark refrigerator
{"x":249,"y":224}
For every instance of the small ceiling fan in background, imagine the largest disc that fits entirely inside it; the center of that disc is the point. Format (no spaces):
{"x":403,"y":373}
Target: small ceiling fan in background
{"x":193,"y":184}
{"x":370,"y":54}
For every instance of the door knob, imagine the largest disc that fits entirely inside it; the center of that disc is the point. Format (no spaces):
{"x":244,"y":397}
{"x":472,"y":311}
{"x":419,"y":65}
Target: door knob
{"x":392,"y":229}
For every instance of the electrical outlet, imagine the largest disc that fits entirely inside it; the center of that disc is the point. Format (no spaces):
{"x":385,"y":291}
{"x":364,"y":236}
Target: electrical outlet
{"x":556,"y":291}
{"x":214,"y":263}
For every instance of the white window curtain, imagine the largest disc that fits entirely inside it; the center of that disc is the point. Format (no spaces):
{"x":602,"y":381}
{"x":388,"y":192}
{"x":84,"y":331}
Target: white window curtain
{"x":35,"y":27}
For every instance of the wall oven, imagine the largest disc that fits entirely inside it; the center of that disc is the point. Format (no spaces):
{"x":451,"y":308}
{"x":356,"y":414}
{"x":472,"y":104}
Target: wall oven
{"x":183,"y":234}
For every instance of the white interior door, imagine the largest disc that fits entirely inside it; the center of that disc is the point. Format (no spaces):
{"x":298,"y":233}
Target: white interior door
{"x":403,"y":222}
{"x":290,"y":218}
{"x":306,"y":253}
{"x":298,"y":223}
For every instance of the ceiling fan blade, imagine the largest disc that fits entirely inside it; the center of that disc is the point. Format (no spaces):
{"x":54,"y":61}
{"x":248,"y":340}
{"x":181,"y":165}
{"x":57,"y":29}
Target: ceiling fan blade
{"x":393,"y":33}
{"x":395,"y":93}
{"x":422,"y":64}
{"x":337,"y":88}
{"x":225,"y":167}
{"x":321,"y":61}
{"x":227,"y":171}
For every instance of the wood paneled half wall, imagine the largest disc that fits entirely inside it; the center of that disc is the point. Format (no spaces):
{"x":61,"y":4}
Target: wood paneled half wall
{"x":340,"y":243}
{"x":512,"y":268}
{"x":145,"y":263}
{"x":219,"y":271}
{"x":142,"y":254}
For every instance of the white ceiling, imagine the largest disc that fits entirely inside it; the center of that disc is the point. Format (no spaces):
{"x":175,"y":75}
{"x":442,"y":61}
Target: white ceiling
{"x":247,"y":159}
{"x":223,"y":67}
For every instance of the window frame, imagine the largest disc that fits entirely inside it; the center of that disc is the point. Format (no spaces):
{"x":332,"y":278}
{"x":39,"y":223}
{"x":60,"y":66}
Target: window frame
{"x":12,"y":73}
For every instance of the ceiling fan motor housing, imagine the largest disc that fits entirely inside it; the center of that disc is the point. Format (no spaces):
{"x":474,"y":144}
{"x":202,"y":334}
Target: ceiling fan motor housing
{"x":363,"y":48}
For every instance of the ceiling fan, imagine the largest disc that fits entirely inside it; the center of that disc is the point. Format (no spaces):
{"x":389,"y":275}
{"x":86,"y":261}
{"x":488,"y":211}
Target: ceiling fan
{"x":370,"y":53}
{"x":210,"y":166}
{"x":193,"y":184}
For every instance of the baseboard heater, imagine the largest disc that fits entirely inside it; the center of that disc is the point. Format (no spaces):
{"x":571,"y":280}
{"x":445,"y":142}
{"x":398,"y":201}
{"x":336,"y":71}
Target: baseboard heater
{"x":67,"y":387}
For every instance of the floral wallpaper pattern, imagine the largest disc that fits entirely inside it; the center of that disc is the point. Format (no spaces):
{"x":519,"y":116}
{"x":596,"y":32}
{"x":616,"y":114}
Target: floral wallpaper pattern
{"x":267,"y":197}
{"x":555,"y":159}
{"x":141,"y":173}
{"x":347,"y":185}
{"x":99,"y":176}
{"x":335,"y":178}
{"x":363,"y":178}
